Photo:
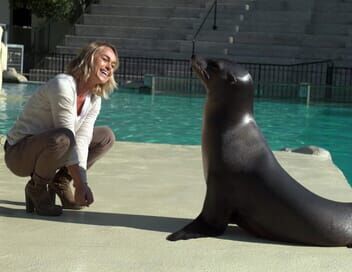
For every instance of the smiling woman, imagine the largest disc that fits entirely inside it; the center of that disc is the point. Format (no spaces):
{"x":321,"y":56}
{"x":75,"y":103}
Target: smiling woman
{"x":55,"y":131}
{"x":94,"y":79}
{"x":98,"y":77}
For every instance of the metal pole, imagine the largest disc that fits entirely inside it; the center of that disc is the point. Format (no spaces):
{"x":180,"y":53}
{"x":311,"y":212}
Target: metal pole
{"x":215,"y":11}
{"x":214,"y":5}
{"x":329,"y":81}
{"x":193,"y":47}
{"x":308,"y":95}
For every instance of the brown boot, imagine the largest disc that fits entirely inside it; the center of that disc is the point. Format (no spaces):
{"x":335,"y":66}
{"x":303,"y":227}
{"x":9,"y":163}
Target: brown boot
{"x":61,"y":187}
{"x":39,"y":200}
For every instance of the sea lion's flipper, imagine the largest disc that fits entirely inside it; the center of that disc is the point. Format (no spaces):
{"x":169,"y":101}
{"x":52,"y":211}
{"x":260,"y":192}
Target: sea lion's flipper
{"x":196,"y":229}
{"x":213,"y":219}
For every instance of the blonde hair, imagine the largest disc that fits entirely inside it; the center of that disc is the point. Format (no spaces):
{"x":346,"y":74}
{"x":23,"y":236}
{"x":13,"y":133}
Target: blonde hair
{"x":82,"y":65}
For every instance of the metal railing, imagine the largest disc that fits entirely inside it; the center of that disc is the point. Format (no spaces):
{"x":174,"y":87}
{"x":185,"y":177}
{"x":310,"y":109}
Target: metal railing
{"x":213,"y":6}
{"x":15,"y":56}
{"x":327,"y":82}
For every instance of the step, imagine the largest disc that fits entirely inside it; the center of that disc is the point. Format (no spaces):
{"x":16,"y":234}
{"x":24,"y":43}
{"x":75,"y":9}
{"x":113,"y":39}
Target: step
{"x":277,"y":16}
{"x":129,"y":52}
{"x":334,"y":41}
{"x":156,"y":3}
{"x":127,"y":32}
{"x":163,"y":54}
{"x":329,"y":29}
{"x":227,"y":14}
{"x":343,"y":63}
{"x":332,"y":6}
{"x":264,"y":50}
{"x":114,"y":20}
{"x":213,"y":35}
{"x":185,"y":47}
{"x":250,"y":59}
{"x":275,"y":27}
{"x":229,"y":2}
{"x":246,"y":49}
{"x":228,"y":24}
{"x":215,"y":50}
{"x":282,"y":5}
{"x":227,"y":9}
{"x":247,"y":59}
{"x":321,"y":53}
{"x":147,"y":11}
{"x":256,"y":38}
{"x":328,"y":41}
{"x":332,"y":17}
{"x":140,"y":44}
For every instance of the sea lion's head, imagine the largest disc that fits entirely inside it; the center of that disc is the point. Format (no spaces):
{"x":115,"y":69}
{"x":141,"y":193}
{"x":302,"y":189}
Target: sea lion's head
{"x":224,"y":79}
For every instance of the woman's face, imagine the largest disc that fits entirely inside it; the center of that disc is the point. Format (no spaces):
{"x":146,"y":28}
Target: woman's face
{"x":104,"y":65}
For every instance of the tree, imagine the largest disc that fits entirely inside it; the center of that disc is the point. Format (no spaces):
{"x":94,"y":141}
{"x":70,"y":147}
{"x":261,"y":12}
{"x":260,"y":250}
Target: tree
{"x":59,"y":10}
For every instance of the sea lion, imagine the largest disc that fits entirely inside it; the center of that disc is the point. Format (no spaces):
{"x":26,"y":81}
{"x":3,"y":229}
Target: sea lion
{"x":245,"y":183}
{"x":310,"y":150}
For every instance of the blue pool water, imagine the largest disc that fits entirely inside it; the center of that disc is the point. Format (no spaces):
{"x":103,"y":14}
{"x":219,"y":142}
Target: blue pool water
{"x":178,"y":120}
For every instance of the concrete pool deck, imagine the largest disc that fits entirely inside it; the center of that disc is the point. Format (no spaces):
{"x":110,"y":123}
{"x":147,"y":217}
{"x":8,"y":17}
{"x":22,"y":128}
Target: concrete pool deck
{"x":142,"y":193}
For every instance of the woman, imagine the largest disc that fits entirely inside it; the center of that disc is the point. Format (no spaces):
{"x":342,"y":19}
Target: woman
{"x":55,"y":131}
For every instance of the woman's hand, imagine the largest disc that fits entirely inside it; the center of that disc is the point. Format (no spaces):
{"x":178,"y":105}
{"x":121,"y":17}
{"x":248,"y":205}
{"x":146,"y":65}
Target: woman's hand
{"x":83,"y":195}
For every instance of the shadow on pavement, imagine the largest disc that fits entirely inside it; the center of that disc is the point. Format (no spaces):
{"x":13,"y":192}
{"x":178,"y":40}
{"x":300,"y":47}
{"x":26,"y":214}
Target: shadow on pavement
{"x":143,"y":222}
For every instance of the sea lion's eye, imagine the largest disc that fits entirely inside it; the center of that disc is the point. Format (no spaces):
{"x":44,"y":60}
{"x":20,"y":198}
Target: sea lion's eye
{"x":231,"y":78}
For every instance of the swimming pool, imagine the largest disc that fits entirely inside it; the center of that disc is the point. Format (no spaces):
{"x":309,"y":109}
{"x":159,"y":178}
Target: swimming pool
{"x":178,"y":119}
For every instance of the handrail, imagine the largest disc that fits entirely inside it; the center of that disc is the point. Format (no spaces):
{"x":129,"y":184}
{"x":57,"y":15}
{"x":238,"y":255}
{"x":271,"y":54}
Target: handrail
{"x":213,"y":6}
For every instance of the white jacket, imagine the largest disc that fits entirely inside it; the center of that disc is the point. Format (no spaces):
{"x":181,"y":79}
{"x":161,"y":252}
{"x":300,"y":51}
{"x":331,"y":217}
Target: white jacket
{"x":54,"y":105}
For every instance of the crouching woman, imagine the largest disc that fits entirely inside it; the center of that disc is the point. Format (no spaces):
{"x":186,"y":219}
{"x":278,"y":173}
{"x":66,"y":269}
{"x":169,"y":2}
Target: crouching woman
{"x":54,"y":139}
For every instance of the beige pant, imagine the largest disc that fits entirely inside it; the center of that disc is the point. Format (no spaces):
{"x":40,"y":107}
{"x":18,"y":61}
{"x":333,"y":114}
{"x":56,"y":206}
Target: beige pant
{"x":40,"y":156}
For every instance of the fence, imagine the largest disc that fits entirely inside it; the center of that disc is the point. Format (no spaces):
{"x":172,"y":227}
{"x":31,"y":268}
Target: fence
{"x":326,"y":82}
{"x":15,"y":56}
